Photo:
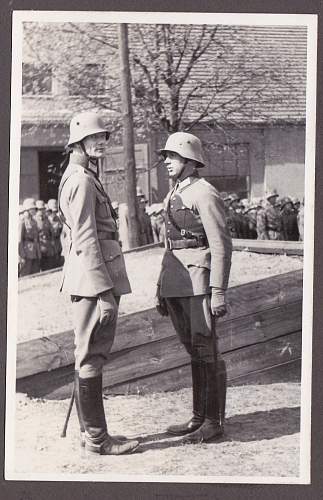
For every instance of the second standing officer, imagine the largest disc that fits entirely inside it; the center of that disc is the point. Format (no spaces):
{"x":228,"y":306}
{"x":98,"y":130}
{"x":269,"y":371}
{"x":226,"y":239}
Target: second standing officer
{"x":94,"y":275}
{"x":193,"y":279}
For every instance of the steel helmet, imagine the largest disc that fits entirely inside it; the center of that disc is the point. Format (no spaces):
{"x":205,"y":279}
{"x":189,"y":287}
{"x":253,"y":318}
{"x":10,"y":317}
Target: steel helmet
{"x":271,"y":194}
{"x":186,"y":145}
{"x":28,"y":204}
{"x":52,"y":205}
{"x":84,"y":124}
{"x":40,"y":205}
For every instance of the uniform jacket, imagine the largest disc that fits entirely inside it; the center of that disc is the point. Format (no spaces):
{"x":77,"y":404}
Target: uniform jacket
{"x":57,"y":227}
{"x":289,"y":225}
{"x":197,"y":207}
{"x":28,"y":244}
{"x":93,"y":262}
{"x":45,"y":235}
{"x":268,"y":219}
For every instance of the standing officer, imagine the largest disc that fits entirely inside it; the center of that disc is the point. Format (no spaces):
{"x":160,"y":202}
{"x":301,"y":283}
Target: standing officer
{"x":94,"y":275}
{"x":193,"y":279}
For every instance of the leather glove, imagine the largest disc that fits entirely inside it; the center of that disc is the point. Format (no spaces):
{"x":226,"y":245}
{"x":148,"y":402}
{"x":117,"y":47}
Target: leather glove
{"x":218,"y":305}
{"x":108,"y":307}
{"x":160,"y":303}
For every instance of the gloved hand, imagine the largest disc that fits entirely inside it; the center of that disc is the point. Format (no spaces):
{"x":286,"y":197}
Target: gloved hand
{"x":108,"y":307}
{"x":218,"y":305}
{"x":160,"y":303}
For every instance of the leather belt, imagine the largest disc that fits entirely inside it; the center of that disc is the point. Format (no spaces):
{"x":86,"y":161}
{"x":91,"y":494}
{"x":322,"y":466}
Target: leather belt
{"x":107,"y":235}
{"x":187,"y":243}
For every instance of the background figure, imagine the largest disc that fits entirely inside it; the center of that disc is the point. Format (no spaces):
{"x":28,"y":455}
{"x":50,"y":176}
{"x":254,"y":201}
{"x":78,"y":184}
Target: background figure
{"x":57,"y":227}
{"x":123,"y":219}
{"x":45,"y":237}
{"x":145,"y":230}
{"x":250,"y":216}
{"x":269,"y":220}
{"x":289,"y":226}
{"x":28,"y":243}
{"x":157,"y":219}
{"x":300,"y":221}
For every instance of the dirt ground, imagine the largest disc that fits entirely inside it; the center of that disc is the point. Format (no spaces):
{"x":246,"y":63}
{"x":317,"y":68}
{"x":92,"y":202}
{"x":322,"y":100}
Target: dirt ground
{"x":263,"y":418}
{"x":44,"y":311}
{"x":261,"y":438}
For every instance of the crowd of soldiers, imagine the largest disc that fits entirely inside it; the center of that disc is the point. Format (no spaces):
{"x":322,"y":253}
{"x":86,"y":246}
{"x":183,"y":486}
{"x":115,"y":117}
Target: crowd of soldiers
{"x":269,"y":218}
{"x":39,"y":237}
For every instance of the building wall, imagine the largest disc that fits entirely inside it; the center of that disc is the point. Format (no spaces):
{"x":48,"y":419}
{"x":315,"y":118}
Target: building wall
{"x":285,"y":160}
{"x":29,"y":177}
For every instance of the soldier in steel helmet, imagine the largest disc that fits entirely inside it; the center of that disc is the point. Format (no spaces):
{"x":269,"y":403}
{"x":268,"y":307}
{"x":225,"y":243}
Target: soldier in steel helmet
{"x":46,"y":237}
{"x":94,"y":275}
{"x":193,"y":279}
{"x":269,"y":219}
{"x":57,"y":226}
{"x":28,"y":241}
{"x":289,"y":226}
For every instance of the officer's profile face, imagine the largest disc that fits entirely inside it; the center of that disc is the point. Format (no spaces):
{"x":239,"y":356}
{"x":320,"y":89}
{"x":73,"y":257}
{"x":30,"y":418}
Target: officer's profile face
{"x":174,"y":163}
{"x":95,"y":144}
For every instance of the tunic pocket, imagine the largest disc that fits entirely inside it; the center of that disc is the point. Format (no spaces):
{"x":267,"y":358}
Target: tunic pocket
{"x":113,"y":259}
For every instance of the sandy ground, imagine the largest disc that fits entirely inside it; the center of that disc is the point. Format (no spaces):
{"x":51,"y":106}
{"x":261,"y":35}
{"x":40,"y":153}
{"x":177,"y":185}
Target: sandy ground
{"x":261,"y":439}
{"x":44,"y":311}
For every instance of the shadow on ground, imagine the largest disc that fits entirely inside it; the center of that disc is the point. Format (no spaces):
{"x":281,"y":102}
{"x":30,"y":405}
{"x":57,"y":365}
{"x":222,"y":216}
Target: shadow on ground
{"x":256,"y":426}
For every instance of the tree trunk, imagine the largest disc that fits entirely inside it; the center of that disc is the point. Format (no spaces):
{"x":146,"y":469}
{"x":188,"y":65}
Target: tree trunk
{"x":128,"y":138}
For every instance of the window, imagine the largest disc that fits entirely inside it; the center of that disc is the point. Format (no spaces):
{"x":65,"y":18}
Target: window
{"x":89,"y":81}
{"x":36,"y":79}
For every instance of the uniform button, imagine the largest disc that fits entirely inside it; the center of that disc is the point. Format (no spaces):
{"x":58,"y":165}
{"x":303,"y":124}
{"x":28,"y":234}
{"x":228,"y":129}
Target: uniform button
{"x":183,"y":206}
{"x":168,"y":230}
{"x":172,"y":206}
{"x":168,"y":222}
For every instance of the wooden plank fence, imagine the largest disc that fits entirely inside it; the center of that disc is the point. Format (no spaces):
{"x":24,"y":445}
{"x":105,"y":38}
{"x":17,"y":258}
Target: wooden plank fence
{"x":262,"y":329}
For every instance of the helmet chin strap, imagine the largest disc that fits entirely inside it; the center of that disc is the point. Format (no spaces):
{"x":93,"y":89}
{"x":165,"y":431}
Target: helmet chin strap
{"x":187,"y":164}
{"x":93,"y":160}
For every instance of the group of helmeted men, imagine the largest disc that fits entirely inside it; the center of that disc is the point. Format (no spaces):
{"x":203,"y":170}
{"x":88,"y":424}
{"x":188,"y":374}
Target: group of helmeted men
{"x":268,"y":218}
{"x":39,"y":237}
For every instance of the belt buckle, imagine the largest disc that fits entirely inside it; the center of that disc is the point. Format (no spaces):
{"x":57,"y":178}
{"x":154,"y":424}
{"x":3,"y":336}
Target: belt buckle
{"x":170,"y":246}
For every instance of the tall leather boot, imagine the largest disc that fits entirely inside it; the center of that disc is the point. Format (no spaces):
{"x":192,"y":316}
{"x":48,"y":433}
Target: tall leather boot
{"x":198,"y":388}
{"x":97,"y":439}
{"x":78,"y":408}
{"x":212,"y":427}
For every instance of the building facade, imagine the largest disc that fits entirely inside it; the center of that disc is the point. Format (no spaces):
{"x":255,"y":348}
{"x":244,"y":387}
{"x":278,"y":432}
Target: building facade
{"x":250,"y":156}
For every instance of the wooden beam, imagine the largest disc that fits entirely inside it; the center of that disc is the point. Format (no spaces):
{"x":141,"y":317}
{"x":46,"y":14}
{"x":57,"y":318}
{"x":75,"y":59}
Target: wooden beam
{"x":168,"y":368}
{"x":269,"y":246}
{"x":249,"y":317}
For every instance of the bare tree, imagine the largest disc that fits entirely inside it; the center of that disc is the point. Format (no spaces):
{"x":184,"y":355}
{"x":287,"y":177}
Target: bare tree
{"x":185,"y":75}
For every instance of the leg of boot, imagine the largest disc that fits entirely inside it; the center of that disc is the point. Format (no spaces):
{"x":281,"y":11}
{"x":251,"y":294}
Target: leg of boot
{"x":78,"y":408}
{"x":97,"y":439}
{"x":198,"y":387}
{"x":221,"y":376}
{"x":211,"y":427}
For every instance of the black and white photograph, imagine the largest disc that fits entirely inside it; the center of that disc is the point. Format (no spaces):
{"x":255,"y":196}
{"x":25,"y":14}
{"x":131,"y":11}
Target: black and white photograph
{"x":161,"y":247}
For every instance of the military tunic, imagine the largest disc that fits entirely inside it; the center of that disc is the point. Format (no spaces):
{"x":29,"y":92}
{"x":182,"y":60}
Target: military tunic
{"x":93,"y":263}
{"x":269,"y":223}
{"x":46,"y":241}
{"x":188,"y":274}
{"x":28,"y":247}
